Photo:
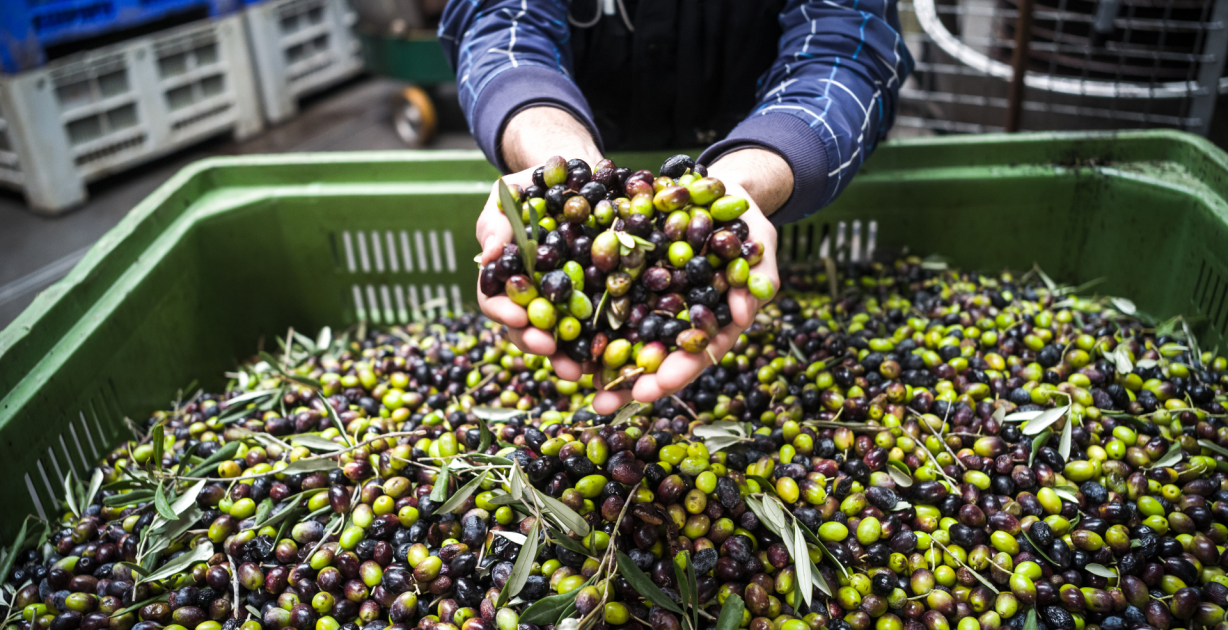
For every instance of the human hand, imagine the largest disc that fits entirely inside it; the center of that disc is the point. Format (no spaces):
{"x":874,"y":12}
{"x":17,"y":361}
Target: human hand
{"x":680,"y":367}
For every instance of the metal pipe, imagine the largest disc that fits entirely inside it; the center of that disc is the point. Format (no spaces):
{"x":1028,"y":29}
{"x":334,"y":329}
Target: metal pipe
{"x":1019,"y":66}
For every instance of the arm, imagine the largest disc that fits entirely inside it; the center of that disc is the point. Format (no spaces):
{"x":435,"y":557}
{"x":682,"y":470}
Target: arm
{"x":512,"y":57}
{"x":825,"y":103}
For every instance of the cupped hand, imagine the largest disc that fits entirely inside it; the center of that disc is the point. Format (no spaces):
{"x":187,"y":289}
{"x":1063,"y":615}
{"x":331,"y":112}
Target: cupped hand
{"x":493,"y":232}
{"x":681,"y":367}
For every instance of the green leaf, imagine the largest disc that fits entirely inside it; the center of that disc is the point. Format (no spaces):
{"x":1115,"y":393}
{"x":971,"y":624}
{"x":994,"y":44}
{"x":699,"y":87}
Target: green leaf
{"x":309,"y":465}
{"x":731,"y":613}
{"x":95,"y":483}
{"x":1030,"y":622}
{"x":627,"y":412}
{"x":315,"y":442}
{"x":332,"y":415}
{"x":565,"y":515}
{"x":228,"y":451}
{"x":517,"y":483}
{"x":680,"y":562}
{"x":1101,"y":570}
{"x":273,"y":519}
{"x":1038,"y":442}
{"x":70,"y":496}
{"x":158,"y":439}
{"x":7,"y":564}
{"x":568,"y":542}
{"x":1064,"y":444}
{"x":487,"y":436}
{"x":802,"y":561}
{"x":136,"y":496}
{"x":520,"y":570}
{"x":188,"y":498}
{"x":1171,"y":457}
{"x":511,"y":210}
{"x":162,"y":505}
{"x":547,"y":610}
{"x":899,"y":473}
{"x":263,"y":510}
{"x":463,"y":493}
{"x":644,"y":585}
{"x":202,"y":552}
{"x":1212,"y":446}
{"x":1038,"y":549}
{"x":693,"y":581}
{"x":439,"y":491}
{"x":1044,"y":420}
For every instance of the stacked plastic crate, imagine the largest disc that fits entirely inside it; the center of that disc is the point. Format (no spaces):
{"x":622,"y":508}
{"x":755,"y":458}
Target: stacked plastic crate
{"x":75,"y":119}
{"x":299,"y":47}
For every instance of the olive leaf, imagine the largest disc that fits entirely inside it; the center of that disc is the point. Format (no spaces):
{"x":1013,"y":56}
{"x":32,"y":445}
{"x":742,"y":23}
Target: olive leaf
{"x":1171,"y":457}
{"x":486,"y":436}
{"x":439,"y":491}
{"x":643,"y":243}
{"x":1044,"y":420}
{"x":547,"y":610}
{"x":1101,"y":570}
{"x":1212,"y":446}
{"x":139,"y":605}
{"x":228,"y":451}
{"x":1038,"y":549}
{"x":999,"y":414}
{"x":718,"y":429}
{"x":273,"y":519}
{"x":1020,"y":416}
{"x":162,"y":505}
{"x":511,"y":210}
{"x":309,"y":465}
{"x":128,"y":498}
{"x":643,"y":585}
{"x":95,"y":484}
{"x":680,"y":563}
{"x":202,"y":552}
{"x":315,"y":442}
{"x":7,"y":564}
{"x":1067,"y":493}
{"x":731,"y":613}
{"x":1030,"y":622}
{"x":626,"y":239}
{"x":720,"y":443}
{"x":515,"y":537}
{"x":568,"y":542}
{"x":899,"y":473}
{"x":324,"y":339}
{"x":332,"y":415}
{"x":276,"y":365}
{"x":158,"y":440}
{"x":802,"y":560}
{"x":627,"y":412}
{"x":463,"y":493}
{"x":495,"y":414}
{"x":1038,"y":442}
{"x":520,"y":570}
{"x":262,"y":510}
{"x":517,"y":482}
{"x":1064,"y":444}
{"x":1123,"y":305}
{"x":774,"y":513}
{"x":563,"y":514}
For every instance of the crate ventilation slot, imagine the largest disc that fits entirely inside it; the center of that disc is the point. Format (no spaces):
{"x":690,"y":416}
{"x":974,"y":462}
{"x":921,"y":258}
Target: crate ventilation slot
{"x":1211,"y":296}
{"x":400,"y":251}
{"x":203,"y":116}
{"x":72,"y":448}
{"x":111,"y":150}
{"x":399,"y":304}
{"x":844,"y":241}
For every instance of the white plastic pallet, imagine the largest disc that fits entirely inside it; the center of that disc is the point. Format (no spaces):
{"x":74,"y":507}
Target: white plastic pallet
{"x":89,"y":115}
{"x":299,"y":47}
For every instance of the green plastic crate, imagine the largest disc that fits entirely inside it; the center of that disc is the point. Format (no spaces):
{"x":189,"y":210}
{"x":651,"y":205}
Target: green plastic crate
{"x":233,"y":250}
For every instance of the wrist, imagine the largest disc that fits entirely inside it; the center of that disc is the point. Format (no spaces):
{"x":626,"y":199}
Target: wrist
{"x":536,"y":133}
{"x":763,"y":174}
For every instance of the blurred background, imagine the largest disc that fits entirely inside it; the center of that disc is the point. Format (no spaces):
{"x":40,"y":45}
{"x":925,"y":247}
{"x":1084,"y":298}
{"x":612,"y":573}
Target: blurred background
{"x":101,"y":101}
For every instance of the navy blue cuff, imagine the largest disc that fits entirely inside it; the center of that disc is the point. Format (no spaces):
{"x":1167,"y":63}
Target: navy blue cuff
{"x":799,"y":145}
{"x":515,"y":89}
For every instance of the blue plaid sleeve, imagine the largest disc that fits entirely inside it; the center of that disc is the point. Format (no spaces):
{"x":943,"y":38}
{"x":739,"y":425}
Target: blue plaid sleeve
{"x":509,"y":55}
{"x":829,"y":98}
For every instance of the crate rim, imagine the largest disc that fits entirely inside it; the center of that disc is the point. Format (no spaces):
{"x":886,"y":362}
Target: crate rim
{"x":51,"y":319}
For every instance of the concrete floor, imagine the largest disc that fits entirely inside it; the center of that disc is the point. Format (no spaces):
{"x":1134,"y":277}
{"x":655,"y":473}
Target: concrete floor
{"x":35,"y":250}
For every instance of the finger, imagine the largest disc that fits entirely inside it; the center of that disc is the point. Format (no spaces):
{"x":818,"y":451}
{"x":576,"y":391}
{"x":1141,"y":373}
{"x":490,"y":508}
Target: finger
{"x":648,"y":389}
{"x":742,"y":306}
{"x":566,"y":368}
{"x":503,"y":310}
{"x":609,"y":402}
{"x":538,"y":341}
{"x":493,"y":232}
{"x":680,"y":368}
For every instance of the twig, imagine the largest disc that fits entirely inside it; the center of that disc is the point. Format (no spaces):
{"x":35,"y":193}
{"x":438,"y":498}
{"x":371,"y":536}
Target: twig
{"x":234,"y":581}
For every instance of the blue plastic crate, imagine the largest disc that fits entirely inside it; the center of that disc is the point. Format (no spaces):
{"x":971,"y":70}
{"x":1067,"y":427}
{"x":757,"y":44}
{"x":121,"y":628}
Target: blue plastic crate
{"x":28,"y":27}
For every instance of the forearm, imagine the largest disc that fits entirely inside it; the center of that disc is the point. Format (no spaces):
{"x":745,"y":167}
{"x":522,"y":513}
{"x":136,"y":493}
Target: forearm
{"x":764,"y":174}
{"x":537,"y":133}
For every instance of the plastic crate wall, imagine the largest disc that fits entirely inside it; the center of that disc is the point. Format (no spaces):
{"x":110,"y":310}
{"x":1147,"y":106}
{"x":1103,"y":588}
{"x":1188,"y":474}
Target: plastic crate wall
{"x":107,"y":110}
{"x":299,"y":47}
{"x":28,"y":27}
